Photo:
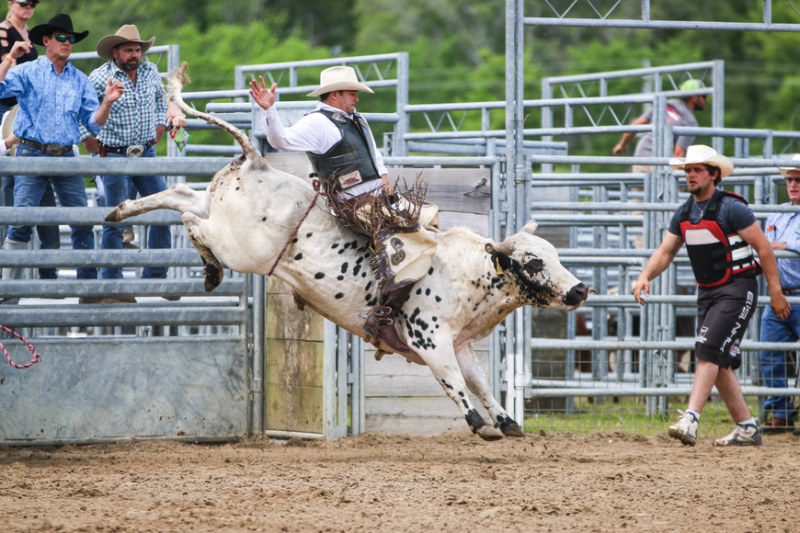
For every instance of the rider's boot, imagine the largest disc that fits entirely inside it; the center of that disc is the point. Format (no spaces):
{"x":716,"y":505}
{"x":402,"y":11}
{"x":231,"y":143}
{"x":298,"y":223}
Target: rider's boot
{"x":380,"y":322}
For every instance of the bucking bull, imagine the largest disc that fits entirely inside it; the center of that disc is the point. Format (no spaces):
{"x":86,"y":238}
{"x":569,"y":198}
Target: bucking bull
{"x":250,"y":209}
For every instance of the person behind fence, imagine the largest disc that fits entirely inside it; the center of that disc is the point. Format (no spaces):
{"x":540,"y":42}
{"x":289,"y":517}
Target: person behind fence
{"x":783,"y":233}
{"x":14,"y":28}
{"x":53,"y":96}
{"x":720,"y":233}
{"x":679,"y":112}
{"x":342,"y":150}
{"x":135,"y":125}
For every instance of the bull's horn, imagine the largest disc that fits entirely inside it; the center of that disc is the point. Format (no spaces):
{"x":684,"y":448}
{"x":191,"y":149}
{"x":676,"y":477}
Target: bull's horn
{"x":530,"y":227}
{"x":505,"y":248}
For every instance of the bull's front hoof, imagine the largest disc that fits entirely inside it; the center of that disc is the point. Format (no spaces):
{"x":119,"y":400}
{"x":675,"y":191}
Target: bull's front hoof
{"x":510,"y":428}
{"x":114,"y":216}
{"x":489,"y":433}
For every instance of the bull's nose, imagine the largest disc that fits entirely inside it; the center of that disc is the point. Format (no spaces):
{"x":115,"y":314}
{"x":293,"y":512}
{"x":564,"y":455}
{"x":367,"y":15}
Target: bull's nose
{"x":576,"y":295}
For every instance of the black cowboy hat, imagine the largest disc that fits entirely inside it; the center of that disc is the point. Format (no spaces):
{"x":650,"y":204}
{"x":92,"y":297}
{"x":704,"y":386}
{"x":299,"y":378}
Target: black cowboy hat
{"x":61,"y":22}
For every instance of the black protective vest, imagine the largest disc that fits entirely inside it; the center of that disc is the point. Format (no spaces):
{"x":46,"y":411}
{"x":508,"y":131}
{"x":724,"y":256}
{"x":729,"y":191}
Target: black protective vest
{"x":347,"y":156}
{"x":715,"y":257}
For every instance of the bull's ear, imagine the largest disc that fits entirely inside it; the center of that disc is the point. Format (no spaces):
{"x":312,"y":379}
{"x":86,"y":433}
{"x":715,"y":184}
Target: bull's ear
{"x":502,"y":263}
{"x":530,"y":227}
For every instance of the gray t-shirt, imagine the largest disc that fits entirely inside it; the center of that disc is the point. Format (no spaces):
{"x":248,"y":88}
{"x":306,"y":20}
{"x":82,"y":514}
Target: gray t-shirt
{"x":733,"y":216}
{"x":678,"y":114}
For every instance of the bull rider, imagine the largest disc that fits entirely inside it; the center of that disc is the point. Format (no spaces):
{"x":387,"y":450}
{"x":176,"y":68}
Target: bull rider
{"x":342,"y":150}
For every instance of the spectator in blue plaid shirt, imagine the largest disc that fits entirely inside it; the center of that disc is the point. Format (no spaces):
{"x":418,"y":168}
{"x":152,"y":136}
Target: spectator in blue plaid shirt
{"x":135,"y":125}
{"x":783,"y":233}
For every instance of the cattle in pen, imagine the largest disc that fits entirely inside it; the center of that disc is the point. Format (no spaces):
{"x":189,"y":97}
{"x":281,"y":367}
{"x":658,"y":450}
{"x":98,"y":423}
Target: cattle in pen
{"x":249,"y":211}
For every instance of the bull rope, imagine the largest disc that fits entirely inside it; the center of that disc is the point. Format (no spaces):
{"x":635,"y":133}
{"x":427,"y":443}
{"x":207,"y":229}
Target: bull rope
{"x":35,"y":359}
{"x":317,"y":190}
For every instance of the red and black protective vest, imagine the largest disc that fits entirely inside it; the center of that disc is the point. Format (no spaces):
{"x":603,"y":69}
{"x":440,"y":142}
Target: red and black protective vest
{"x":715,"y":257}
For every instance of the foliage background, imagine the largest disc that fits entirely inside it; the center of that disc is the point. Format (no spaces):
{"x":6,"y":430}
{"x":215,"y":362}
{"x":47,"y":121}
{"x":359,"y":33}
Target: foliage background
{"x":457,"y":47}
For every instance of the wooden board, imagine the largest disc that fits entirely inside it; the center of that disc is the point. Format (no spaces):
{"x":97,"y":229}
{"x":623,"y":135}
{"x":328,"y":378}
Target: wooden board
{"x":294,"y":373}
{"x":406,"y":398}
{"x":452,"y":189}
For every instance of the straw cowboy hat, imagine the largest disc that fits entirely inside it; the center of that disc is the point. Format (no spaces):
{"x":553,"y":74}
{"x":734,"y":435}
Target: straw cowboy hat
{"x":8,"y":127}
{"x":786,"y":170}
{"x":61,"y":22}
{"x":126,"y":34}
{"x":339,"y":79}
{"x":701,"y":154}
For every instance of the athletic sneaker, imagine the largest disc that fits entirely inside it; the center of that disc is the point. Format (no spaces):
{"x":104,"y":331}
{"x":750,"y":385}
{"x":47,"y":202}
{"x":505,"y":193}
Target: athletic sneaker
{"x":686,"y":429}
{"x":746,"y":435}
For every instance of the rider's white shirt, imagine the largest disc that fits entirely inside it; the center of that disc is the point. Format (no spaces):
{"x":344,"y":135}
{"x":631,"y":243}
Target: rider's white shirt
{"x":312,"y":133}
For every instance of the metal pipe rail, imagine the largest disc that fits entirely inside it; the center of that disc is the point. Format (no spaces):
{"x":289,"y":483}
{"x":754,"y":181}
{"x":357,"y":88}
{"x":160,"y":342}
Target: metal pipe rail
{"x":632,"y":73}
{"x":580,"y":344}
{"x":651,"y":161}
{"x":113,"y":166}
{"x":17,"y":316}
{"x":117,"y":287}
{"x":156,"y":258}
{"x":82,"y":216}
{"x":619,"y":206}
{"x":611,"y":300}
{"x":531,"y":392}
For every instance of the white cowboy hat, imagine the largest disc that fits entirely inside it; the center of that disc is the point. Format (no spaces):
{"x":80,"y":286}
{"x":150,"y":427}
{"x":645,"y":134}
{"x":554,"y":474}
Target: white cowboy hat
{"x":126,"y":34}
{"x":702,"y":154}
{"x":8,"y":128}
{"x":339,"y":79}
{"x":786,"y":170}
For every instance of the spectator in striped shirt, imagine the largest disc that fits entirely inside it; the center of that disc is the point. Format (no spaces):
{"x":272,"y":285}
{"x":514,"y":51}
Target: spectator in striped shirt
{"x":136,"y":124}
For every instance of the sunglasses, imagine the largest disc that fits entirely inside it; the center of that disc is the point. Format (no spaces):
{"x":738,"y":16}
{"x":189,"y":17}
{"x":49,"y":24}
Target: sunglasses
{"x":792,"y":180}
{"x":60,"y":37}
{"x":26,"y":4}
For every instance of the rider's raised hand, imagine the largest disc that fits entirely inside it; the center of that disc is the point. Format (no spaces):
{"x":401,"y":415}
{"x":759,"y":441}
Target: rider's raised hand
{"x":264,"y":97}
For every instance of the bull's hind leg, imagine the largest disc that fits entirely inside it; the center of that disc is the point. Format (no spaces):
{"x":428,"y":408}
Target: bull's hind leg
{"x":479,"y":385}
{"x":442,"y":362}
{"x":178,"y":198}
{"x":212,"y":269}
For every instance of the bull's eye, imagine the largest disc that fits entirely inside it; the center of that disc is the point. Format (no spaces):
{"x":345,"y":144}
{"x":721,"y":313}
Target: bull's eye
{"x":534,"y":266}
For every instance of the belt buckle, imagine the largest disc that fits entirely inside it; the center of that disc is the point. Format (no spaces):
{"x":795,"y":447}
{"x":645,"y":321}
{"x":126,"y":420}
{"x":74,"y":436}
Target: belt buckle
{"x":53,"y":150}
{"x":134,"y":151}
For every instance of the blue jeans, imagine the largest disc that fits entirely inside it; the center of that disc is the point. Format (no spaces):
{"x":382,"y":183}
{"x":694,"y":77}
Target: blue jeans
{"x":773,"y":363}
{"x":48,"y":235}
{"x":29,"y":191}
{"x":118,"y":190}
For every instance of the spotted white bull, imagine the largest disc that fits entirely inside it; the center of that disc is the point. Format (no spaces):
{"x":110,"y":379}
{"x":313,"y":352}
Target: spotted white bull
{"x":250,"y":209}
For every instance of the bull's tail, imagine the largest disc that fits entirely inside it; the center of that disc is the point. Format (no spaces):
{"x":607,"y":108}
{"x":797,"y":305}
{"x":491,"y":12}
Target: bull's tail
{"x":177,"y":81}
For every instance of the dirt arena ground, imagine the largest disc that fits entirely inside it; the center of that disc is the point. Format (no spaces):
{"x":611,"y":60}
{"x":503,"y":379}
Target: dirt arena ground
{"x":558,"y":482}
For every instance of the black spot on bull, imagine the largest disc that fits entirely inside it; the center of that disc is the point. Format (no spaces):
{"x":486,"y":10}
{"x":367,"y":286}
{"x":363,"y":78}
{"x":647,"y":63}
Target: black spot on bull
{"x":446,"y":384}
{"x":319,"y":275}
{"x":344,"y":268}
{"x":474,"y":420}
{"x":298,"y":257}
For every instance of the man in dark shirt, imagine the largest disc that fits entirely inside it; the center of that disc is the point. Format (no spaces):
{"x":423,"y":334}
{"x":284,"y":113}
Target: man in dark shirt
{"x":720,"y":232}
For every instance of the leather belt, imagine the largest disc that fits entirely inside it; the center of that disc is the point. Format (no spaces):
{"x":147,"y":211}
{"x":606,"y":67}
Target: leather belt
{"x":791,"y":291}
{"x":53,"y":150}
{"x":128,"y":151}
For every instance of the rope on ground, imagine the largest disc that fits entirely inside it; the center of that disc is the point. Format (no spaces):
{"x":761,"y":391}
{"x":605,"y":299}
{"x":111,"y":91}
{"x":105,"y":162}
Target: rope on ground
{"x":35,"y":359}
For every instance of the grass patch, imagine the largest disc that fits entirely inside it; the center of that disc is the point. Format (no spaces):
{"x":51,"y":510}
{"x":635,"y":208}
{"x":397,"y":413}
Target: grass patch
{"x":627,"y":414}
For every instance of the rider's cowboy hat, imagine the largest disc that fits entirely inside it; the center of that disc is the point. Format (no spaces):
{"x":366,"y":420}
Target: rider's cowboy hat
{"x":126,"y":34}
{"x":701,"y":154}
{"x":61,"y":22}
{"x":339,"y":79}
{"x":8,"y":128}
{"x":786,"y":170}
